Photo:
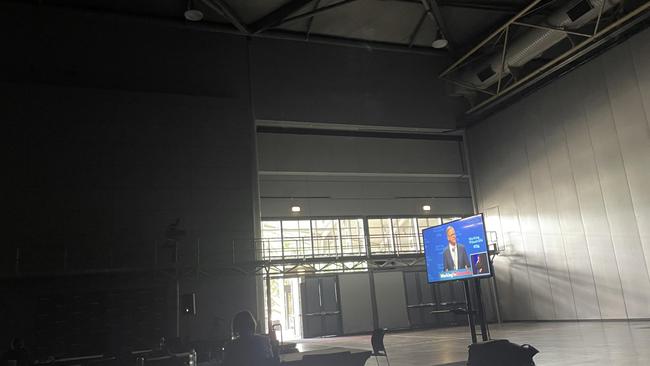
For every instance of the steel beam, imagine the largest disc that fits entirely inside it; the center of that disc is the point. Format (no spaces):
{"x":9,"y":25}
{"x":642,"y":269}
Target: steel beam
{"x":230,"y":29}
{"x":566,"y":57}
{"x":431,"y":6}
{"x":491,"y":6}
{"x":222,"y":7}
{"x":494,"y":34}
{"x":278,"y":15}
{"x":547,"y":27}
{"x":311,"y":20}
{"x":310,"y":14}
{"x":417,"y":29}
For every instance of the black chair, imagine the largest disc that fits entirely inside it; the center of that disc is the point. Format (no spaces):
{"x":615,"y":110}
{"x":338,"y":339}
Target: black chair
{"x":378,"y":348}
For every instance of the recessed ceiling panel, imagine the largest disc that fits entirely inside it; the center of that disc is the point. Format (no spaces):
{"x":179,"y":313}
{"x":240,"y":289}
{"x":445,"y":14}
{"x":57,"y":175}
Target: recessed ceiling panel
{"x":469,"y":26}
{"x":372,"y":20}
{"x":251,"y":10}
{"x":301,"y":25}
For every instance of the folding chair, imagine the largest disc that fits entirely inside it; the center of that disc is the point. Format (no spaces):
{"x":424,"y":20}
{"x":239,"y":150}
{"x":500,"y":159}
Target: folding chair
{"x":378,"y":348}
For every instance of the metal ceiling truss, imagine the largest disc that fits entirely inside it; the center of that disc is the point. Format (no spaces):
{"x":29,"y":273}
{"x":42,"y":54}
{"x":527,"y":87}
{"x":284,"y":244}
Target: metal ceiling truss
{"x":278,"y":15}
{"x":504,"y":7}
{"x":264,"y":268}
{"x":318,"y":10}
{"x":433,"y":10}
{"x":222,"y":7}
{"x":416,"y":30}
{"x":509,"y":85}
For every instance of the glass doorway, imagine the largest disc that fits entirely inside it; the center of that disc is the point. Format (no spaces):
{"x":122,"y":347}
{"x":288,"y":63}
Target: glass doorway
{"x":286,"y":315}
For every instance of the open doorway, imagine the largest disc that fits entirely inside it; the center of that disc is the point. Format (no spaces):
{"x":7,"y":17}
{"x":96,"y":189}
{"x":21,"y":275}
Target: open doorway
{"x":285,"y":308}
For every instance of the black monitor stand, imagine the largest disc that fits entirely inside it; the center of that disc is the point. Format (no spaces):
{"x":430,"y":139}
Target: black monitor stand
{"x":471,"y":312}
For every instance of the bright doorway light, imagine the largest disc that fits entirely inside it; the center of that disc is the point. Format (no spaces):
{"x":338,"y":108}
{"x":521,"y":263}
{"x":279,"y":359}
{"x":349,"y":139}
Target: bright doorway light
{"x":295,"y":208}
{"x":426,"y":208}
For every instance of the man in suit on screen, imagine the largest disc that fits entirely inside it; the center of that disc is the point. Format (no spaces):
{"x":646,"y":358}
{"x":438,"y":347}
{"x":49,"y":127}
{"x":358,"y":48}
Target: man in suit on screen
{"x":455,"y":256}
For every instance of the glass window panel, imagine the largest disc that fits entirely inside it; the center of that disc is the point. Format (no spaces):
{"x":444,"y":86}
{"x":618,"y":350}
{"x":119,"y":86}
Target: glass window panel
{"x":426,"y":222}
{"x":296,"y":235}
{"x":271,"y":243}
{"x":380,"y":236}
{"x":352,"y":237}
{"x":326,"y":238}
{"x":405,"y":235}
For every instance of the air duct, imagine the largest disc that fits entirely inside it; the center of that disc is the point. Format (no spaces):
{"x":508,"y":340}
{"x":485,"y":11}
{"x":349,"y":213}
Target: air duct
{"x":533,"y":43}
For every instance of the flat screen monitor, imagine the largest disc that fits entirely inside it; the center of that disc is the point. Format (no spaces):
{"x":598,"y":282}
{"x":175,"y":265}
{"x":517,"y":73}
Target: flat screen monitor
{"x":457,"y":250}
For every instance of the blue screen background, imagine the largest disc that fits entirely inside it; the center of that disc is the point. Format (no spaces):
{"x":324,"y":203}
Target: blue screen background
{"x":470,"y":233}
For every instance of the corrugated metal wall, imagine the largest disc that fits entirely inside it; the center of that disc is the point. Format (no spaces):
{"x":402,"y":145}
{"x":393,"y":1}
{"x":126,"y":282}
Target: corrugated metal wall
{"x":564,"y":178}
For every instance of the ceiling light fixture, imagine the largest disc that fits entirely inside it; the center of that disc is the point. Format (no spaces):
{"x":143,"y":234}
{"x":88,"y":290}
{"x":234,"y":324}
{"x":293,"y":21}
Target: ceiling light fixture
{"x":426,"y":208}
{"x":191,"y":14}
{"x":295,"y":208}
{"x":440,"y":41}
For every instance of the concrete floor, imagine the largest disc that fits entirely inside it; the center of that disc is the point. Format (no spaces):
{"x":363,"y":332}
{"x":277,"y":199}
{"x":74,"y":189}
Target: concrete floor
{"x":615,"y":343}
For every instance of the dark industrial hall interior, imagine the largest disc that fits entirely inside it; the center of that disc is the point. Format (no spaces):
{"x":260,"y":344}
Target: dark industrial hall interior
{"x":325,"y":182}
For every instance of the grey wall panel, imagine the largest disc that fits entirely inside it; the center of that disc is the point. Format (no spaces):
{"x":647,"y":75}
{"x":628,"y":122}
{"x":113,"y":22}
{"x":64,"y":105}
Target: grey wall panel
{"x":525,"y":180}
{"x":550,"y":260}
{"x":568,"y":207}
{"x":520,"y":290}
{"x":631,"y":124}
{"x":640,"y":49}
{"x":354,"y":187}
{"x":280,"y":207}
{"x":594,"y":217}
{"x":579,"y":195}
{"x":350,"y":176}
{"x":356,"y":306}
{"x":494,"y":169}
{"x":307,"y":82}
{"x":391,"y":300}
{"x":341,"y":154}
{"x":616,"y":193}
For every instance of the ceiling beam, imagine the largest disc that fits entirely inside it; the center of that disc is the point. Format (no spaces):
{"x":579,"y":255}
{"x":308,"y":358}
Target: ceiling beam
{"x":417,"y":29}
{"x":311,"y":20}
{"x":431,"y":7}
{"x":310,"y":14}
{"x":208,"y":27}
{"x":223,"y":8}
{"x":504,"y":7}
{"x":278,"y":15}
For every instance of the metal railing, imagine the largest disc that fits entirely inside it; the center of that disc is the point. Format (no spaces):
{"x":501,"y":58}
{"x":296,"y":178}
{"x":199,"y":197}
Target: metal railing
{"x":337,"y":247}
{"x":83,"y":259}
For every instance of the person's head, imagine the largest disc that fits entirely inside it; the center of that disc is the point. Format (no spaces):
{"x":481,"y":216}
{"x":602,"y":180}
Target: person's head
{"x":451,"y":235}
{"x":17,"y":343}
{"x":243,"y":324}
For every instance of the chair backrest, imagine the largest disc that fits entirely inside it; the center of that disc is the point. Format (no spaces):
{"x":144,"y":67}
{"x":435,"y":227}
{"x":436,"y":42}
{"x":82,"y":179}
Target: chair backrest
{"x":377,"y":340}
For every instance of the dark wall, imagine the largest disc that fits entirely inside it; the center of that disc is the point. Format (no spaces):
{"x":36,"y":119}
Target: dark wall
{"x":297,"y":81}
{"x":113,"y":129}
{"x":116,"y":126}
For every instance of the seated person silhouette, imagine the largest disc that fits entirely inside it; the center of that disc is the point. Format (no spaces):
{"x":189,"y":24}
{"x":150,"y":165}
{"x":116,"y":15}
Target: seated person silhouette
{"x":17,"y":355}
{"x":248,"y":348}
